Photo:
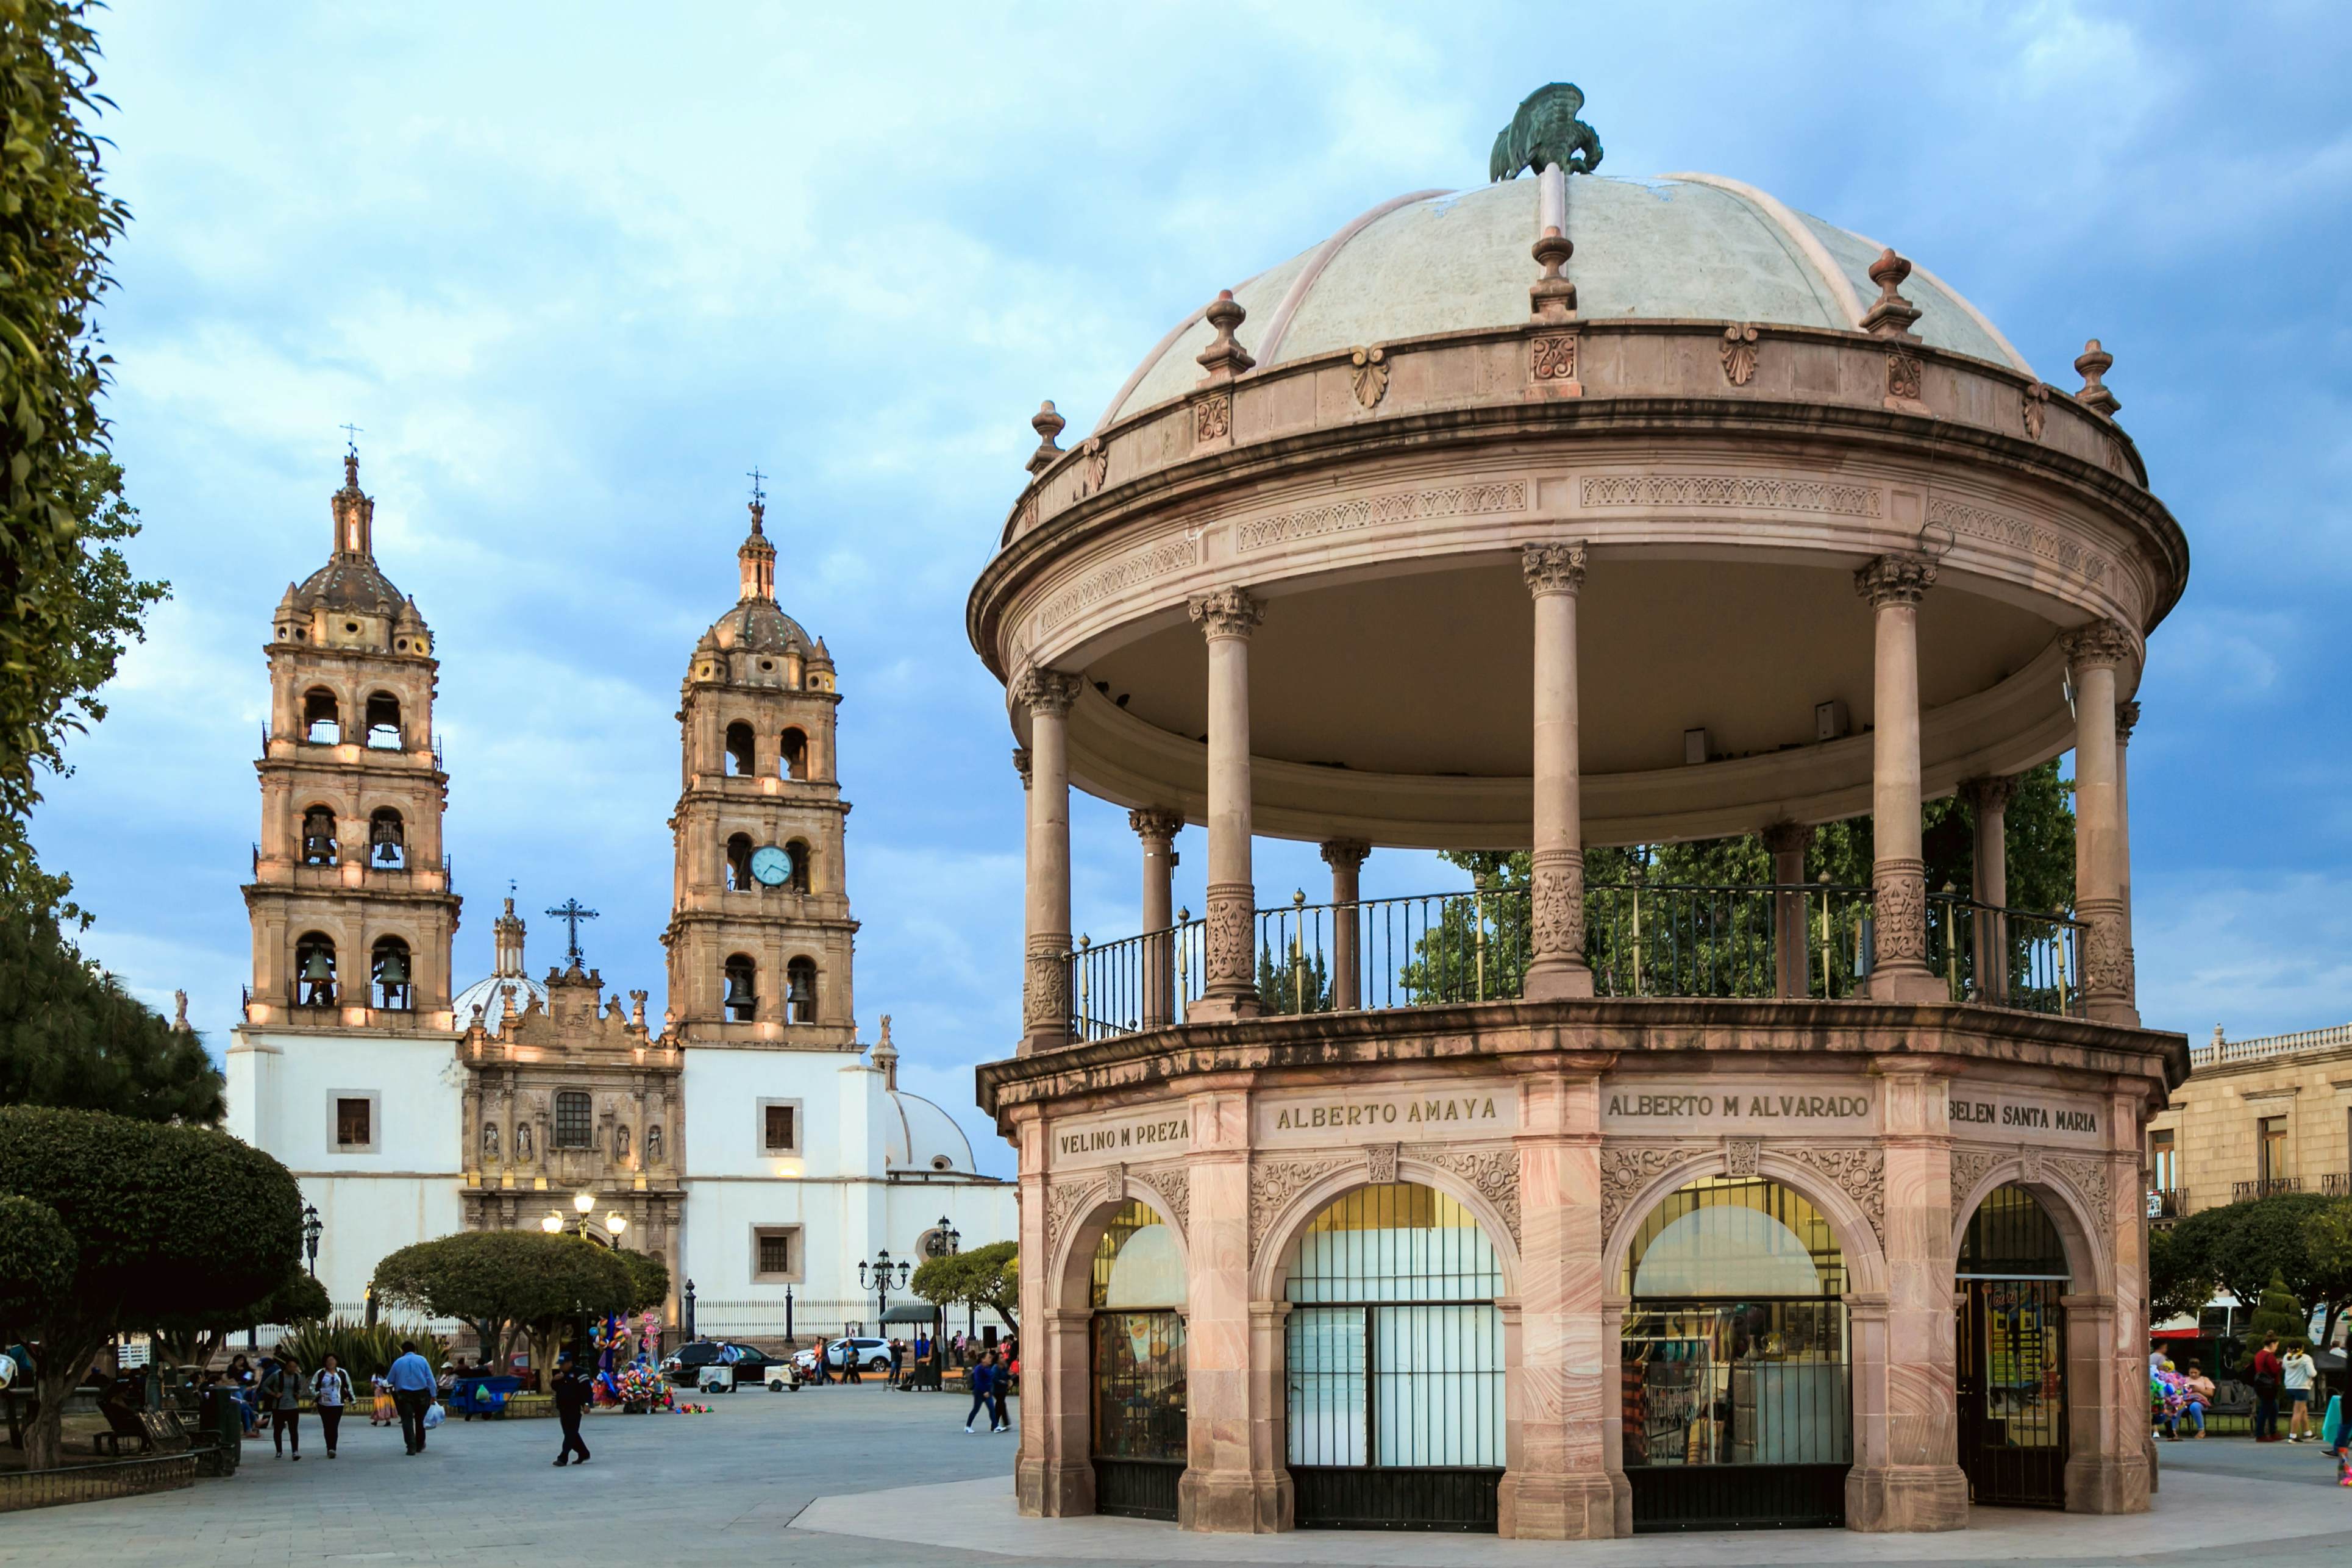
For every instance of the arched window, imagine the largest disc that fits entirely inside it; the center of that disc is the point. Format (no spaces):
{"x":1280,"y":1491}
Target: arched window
{"x":387,"y":839}
{"x":394,"y":977}
{"x":1137,"y":1331}
{"x":322,"y":719}
{"x":740,"y":1001}
{"x":1734,"y":1354}
{"x":798,"y":852}
{"x":800,"y":990}
{"x":314,"y":969}
{"x":791,"y":754}
{"x":739,"y":763}
{"x":319,"y":837}
{"x":738,"y":863}
{"x":1395,"y":1362}
{"x":383,"y":721}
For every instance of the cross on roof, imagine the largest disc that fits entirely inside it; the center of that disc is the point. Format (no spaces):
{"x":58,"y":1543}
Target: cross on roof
{"x":758,"y":495}
{"x":571,"y":912}
{"x":352,"y":434}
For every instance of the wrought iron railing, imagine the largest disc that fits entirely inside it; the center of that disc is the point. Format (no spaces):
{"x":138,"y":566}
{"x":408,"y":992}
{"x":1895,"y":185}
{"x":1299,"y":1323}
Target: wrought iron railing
{"x":2167,"y":1203}
{"x":1797,"y":940}
{"x":2335,"y":1184}
{"x":2263,"y":1187}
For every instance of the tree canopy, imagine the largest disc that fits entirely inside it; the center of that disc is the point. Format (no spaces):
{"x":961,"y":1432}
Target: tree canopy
{"x":70,"y":1036}
{"x":37,"y":1260}
{"x":507,"y":1281}
{"x":2297,"y":1240}
{"x":164,"y":1220}
{"x":986,"y":1276}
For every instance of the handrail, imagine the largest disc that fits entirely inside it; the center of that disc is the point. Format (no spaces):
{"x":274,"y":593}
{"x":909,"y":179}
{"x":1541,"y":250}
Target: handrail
{"x":2219,"y":1050}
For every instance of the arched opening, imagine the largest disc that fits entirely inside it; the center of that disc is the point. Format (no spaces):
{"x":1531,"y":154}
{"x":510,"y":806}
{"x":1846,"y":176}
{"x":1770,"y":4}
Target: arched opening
{"x":1136,"y":1360}
{"x":800,"y":990}
{"x":1394,"y":1364}
{"x":1738,"y":1398}
{"x":322,"y":719}
{"x":739,"y":763}
{"x":2012,"y":1278}
{"x":314,"y":969}
{"x":740,"y":1001}
{"x":387,"y":839}
{"x":791,"y":753}
{"x":738,"y":863}
{"x":383,"y":721}
{"x":390,"y":970}
{"x":797,"y":852}
{"x":318,"y":836}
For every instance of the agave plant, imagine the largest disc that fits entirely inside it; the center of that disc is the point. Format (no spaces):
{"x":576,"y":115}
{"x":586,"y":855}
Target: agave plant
{"x":362,"y":1351}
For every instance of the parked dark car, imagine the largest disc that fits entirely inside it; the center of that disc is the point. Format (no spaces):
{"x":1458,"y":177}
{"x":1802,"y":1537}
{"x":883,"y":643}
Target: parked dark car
{"x":685,"y":1366}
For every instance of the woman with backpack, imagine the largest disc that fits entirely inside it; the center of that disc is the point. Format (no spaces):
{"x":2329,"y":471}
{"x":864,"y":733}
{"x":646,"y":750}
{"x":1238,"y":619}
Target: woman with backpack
{"x":331,"y":1390}
{"x":281,"y":1396}
{"x":2268,"y":1373}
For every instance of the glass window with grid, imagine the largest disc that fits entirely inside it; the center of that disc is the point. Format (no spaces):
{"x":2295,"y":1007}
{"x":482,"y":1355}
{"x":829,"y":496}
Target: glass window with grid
{"x":775,"y":1252}
{"x":575,"y":1116}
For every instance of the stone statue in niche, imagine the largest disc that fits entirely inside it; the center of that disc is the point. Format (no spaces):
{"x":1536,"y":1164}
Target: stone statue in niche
{"x":653,"y":1144}
{"x":621,"y":1143}
{"x":491,"y":1142}
{"x":522,"y":1141}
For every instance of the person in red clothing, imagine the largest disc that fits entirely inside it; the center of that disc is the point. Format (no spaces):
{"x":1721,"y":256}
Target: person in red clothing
{"x":2265,"y":1374}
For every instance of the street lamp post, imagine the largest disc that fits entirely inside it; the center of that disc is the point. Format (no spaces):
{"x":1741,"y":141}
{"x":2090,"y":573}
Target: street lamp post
{"x":690,"y":1335}
{"x":886,"y":1274}
{"x":945,"y":1240}
{"x":310,"y":1229}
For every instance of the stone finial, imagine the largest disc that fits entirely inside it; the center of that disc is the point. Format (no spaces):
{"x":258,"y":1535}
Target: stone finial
{"x":1049,"y":425}
{"x":885,"y":1055}
{"x":1890,"y":315}
{"x":2094,"y":363}
{"x":1552,"y":297}
{"x":1224,"y":358}
{"x":637,"y":1009}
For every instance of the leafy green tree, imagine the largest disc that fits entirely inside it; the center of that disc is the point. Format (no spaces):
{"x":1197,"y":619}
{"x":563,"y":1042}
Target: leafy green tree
{"x":164,"y":1220}
{"x":2280,"y":1314}
{"x":2327,"y":1241}
{"x":70,"y":1036}
{"x":505,"y":1282}
{"x":648,"y":1281}
{"x":1294,"y":981}
{"x":2179,"y":1284}
{"x":2244,"y":1246}
{"x":36,"y":1263}
{"x":986,"y":1276}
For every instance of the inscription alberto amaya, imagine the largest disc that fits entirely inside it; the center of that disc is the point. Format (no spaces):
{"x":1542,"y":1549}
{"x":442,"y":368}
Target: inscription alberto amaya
{"x":1387,"y":1113}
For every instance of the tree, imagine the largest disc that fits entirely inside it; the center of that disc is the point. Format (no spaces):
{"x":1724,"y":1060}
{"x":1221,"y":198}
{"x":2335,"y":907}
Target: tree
{"x":648,"y":1281}
{"x":2179,"y":1285}
{"x":2328,"y":1239}
{"x":2279,"y":1314}
{"x":2244,"y":1247}
{"x":986,"y":1276}
{"x":70,"y":1036}
{"x":164,"y":1220}
{"x":1298,"y":981}
{"x":504,"y":1282}
{"x":36,"y":1263}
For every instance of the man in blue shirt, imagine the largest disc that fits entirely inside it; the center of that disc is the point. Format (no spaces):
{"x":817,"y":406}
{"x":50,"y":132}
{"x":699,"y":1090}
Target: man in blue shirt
{"x":412,"y":1394}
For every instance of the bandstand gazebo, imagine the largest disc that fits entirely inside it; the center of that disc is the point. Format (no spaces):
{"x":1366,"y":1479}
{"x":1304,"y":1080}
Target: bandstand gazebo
{"x":1559,"y":512}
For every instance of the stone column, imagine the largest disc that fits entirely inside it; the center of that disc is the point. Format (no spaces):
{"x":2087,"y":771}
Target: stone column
{"x":1157,"y":830}
{"x":1787,"y":841}
{"x":2094,"y":653}
{"x":1346,"y":858}
{"x":1227,"y":618}
{"x":1988,"y":798}
{"x":1046,"y":991}
{"x":1559,"y":1485}
{"x":1234,"y":1480}
{"x":1557,"y":968}
{"x":1907,"y":1473}
{"x":1894,"y":584}
{"x":2108,"y":1459}
{"x":2127,"y":721}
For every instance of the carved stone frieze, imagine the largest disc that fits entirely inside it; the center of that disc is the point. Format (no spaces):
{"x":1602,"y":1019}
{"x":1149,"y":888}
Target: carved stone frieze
{"x":1626,"y":1172}
{"x":1494,"y":1173}
{"x":1958,"y":517}
{"x":1742,"y":491}
{"x":1739,"y":1156}
{"x":1860,"y":1173}
{"x":1473,"y":499}
{"x":1173,"y":1186}
{"x":1126,"y":572}
{"x":1551,"y":358}
{"x":1739,"y":352}
{"x":1899,"y":909}
{"x":1381,"y":1164}
{"x":1556,"y":900}
{"x":1213,"y":418}
{"x":2087,"y":1174}
{"x":1970,"y":1166}
{"x":1273,"y":1183}
{"x":1369,"y":368}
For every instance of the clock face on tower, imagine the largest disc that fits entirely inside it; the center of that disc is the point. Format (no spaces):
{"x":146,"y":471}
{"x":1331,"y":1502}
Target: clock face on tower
{"x":771,"y":865}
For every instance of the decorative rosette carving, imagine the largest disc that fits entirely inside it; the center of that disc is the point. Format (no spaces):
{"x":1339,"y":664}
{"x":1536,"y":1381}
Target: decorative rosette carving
{"x":1739,"y":1156}
{"x":1552,"y":357}
{"x":1902,"y":376}
{"x":1739,"y":352}
{"x":1212,"y":417}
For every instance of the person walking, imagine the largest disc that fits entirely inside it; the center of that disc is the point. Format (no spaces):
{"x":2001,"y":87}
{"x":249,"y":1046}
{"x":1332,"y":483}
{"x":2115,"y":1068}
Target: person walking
{"x":2268,"y":1376}
{"x":572,"y":1391}
{"x":412,"y":1395}
{"x":897,"y":1360}
{"x":331,"y":1390}
{"x":281,"y":1396}
{"x":1002,"y":1385}
{"x":2298,"y":1370}
{"x":983,"y":1382}
{"x":849,"y":1358}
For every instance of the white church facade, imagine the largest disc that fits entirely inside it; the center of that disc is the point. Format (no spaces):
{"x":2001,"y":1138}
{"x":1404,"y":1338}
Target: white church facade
{"x":752,"y":1141}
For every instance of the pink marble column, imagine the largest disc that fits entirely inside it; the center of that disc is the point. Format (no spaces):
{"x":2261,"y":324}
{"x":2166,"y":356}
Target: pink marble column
{"x":1989,"y":799}
{"x":1906,"y":1474}
{"x":1227,"y":618}
{"x":1561,"y":1483}
{"x":1047,"y":1481}
{"x":2107,"y":1467}
{"x":1786,"y":842}
{"x":1234,"y":1480}
{"x":1555,"y":574}
{"x":2095,"y":653}
{"x":1045,"y":989}
{"x":1157,"y":830}
{"x":2127,"y":721}
{"x":1898,"y":879}
{"x":1346,"y":858}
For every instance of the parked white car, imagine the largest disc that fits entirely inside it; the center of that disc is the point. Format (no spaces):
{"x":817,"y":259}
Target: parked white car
{"x":873,"y":1355}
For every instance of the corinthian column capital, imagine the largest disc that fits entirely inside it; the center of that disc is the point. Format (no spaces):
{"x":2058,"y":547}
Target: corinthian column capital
{"x":1552,"y":568}
{"x":1993,"y":792}
{"x":2101,"y":643}
{"x":1227,"y":613}
{"x":2127,"y":721}
{"x":1152,"y":823}
{"x":1043,"y":690}
{"x":1894,"y":579}
{"x":1345,"y":854}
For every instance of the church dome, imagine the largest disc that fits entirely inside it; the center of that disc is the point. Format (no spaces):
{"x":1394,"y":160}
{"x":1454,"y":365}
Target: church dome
{"x":350,"y":583}
{"x":1690,"y":247}
{"x":758,"y":625}
{"x":489,"y":993}
{"x":923,"y":1137}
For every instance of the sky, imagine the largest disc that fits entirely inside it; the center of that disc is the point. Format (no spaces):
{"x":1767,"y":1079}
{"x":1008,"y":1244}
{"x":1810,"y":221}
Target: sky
{"x":573,"y":269}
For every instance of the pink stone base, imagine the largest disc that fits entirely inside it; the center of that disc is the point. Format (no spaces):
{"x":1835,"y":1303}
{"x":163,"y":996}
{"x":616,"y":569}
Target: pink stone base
{"x":1906,"y":1499}
{"x":1236,"y":1504}
{"x":1553,"y":983}
{"x":2095,"y":1484}
{"x":1053,"y":1491}
{"x":1581,"y":1506}
{"x":1908,"y":983}
{"x":1222,"y":1009}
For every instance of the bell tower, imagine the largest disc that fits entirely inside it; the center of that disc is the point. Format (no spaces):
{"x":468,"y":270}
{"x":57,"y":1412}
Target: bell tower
{"x":350,"y":901}
{"x":760,"y":935}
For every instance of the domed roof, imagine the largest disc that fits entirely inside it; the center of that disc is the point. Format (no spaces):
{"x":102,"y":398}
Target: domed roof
{"x":1682,"y":246}
{"x":350,"y":583}
{"x":489,"y":993}
{"x":758,"y":625}
{"x":924,"y":1138}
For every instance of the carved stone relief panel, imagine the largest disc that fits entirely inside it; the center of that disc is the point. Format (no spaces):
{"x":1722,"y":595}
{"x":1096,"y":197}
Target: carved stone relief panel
{"x":1860,"y":1173}
{"x":1273,"y":1183}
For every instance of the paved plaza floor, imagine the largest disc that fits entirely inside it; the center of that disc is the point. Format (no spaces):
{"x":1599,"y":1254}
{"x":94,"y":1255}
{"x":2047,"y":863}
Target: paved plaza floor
{"x":864,"y":1476}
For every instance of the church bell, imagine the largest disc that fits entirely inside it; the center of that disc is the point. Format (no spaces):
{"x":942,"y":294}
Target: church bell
{"x":385,"y":837}
{"x":738,"y":989}
{"x":394,"y":969}
{"x":317,"y":968}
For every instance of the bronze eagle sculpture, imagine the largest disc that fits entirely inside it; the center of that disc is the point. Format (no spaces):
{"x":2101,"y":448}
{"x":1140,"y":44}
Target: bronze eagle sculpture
{"x":1546,"y":130}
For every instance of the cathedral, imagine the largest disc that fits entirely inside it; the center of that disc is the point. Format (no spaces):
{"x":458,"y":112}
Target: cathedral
{"x":750,"y":1139}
